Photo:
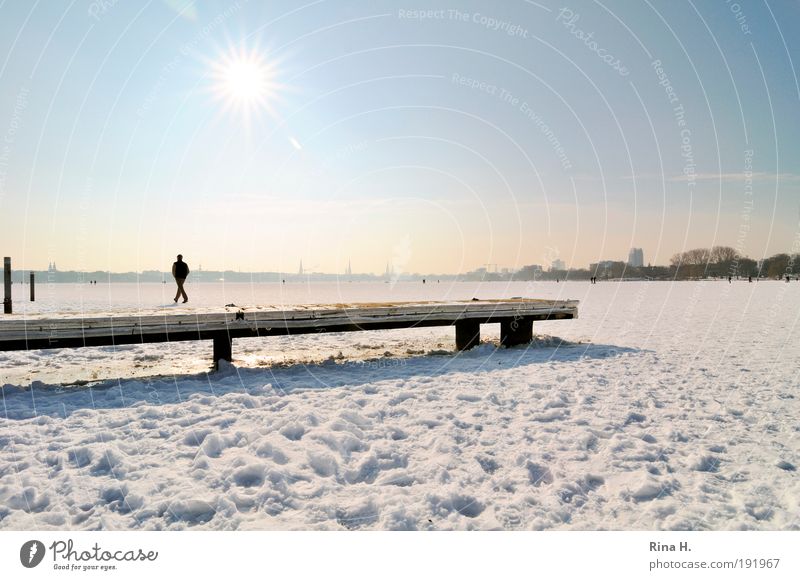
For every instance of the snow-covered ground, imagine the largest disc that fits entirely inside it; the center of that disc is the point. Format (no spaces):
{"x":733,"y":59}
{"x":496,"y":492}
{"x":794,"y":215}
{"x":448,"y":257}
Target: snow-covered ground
{"x":664,"y":406}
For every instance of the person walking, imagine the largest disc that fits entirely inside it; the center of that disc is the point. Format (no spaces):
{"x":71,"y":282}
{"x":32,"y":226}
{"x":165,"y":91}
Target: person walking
{"x":180,"y":271}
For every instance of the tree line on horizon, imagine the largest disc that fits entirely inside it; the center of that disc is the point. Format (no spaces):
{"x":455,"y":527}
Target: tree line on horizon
{"x":726,"y":261}
{"x":715,"y":262}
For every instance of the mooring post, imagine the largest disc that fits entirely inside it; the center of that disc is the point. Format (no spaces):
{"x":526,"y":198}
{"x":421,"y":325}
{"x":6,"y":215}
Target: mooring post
{"x":223,"y":347}
{"x":516,"y":331}
{"x":7,"y":285}
{"x":468,"y":334}
{"x":33,"y":293}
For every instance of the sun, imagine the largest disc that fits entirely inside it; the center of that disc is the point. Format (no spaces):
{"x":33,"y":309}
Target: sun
{"x":246,"y":82}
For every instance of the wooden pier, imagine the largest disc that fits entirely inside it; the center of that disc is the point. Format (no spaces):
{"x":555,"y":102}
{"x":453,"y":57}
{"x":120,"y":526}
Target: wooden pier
{"x":515,"y":316}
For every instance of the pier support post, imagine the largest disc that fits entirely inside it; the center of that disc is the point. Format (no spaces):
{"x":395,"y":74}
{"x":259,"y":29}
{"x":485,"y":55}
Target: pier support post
{"x":468,"y":334}
{"x":223,"y":348}
{"x":7,"y":285}
{"x":516,"y":331}
{"x":33,"y":293}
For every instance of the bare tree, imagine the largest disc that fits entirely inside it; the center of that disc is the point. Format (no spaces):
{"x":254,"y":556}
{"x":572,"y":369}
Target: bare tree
{"x":723,"y":254}
{"x":697,"y":257}
{"x":778,"y":265}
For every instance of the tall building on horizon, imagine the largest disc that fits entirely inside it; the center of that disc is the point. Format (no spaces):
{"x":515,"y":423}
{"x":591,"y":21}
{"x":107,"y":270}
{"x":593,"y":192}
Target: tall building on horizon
{"x":558,"y":265}
{"x":636,"y":258}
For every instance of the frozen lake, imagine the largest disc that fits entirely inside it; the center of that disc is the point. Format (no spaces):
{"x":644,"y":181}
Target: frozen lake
{"x":664,"y":406}
{"x":73,"y":298}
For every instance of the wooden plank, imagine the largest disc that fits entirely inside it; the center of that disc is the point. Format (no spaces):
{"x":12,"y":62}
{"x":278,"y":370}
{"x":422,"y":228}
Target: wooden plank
{"x":259,"y":316}
{"x":59,"y":330}
{"x":314,"y":310}
{"x":109,"y":330}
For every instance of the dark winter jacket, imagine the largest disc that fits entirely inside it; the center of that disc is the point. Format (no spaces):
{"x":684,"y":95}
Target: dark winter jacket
{"x":180,"y":269}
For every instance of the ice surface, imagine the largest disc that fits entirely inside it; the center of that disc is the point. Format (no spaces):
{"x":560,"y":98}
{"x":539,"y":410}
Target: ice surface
{"x":664,"y":406}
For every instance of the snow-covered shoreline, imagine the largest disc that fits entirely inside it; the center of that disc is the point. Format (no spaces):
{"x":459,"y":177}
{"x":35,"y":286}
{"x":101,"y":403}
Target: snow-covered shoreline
{"x":662,"y":407}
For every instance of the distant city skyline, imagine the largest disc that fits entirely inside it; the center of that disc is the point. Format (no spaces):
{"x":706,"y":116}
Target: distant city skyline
{"x":717,"y":263}
{"x":415,"y":138}
{"x":634,"y":258}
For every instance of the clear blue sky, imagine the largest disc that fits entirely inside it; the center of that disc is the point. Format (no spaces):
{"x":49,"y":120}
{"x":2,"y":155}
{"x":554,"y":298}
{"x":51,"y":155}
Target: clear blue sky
{"x":252,"y":135}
